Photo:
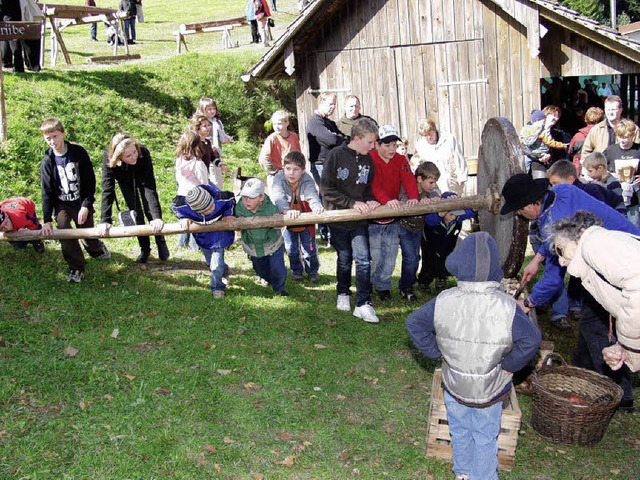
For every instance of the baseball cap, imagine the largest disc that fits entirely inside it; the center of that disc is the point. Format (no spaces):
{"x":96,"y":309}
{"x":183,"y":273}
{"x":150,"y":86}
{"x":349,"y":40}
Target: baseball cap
{"x":252,"y":188}
{"x":387,"y":134}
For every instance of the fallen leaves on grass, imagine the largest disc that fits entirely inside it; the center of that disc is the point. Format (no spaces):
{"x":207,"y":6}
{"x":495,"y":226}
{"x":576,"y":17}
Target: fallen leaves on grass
{"x":373,"y":380}
{"x":71,"y":352}
{"x":340,"y":397}
{"x":251,"y":387}
{"x":211,"y":448}
{"x":115,"y":333}
{"x":162,"y":391}
{"x":24,"y":303}
{"x":228,"y":440}
{"x":287,"y":462}
{"x":223,"y":372}
{"x":302,"y":372}
{"x":320,"y":346}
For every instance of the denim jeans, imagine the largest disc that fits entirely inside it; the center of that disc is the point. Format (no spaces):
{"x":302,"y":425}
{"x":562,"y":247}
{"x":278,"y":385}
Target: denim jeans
{"x":272,"y":269}
{"x":592,"y":338}
{"x":353,"y":246}
{"x":410,"y":248}
{"x":316,"y":172}
{"x":384,"y":242}
{"x":130,"y":28}
{"x":302,"y":244}
{"x":474,"y":438}
{"x":214,"y":258}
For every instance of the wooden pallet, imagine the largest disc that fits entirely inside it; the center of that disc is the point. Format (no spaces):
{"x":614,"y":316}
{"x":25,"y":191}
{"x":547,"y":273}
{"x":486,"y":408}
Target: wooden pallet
{"x":439,"y":439}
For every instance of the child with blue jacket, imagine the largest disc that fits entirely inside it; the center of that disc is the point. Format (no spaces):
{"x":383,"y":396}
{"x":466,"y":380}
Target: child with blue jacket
{"x":441,"y":232}
{"x":206,"y":204}
{"x":482,"y":337}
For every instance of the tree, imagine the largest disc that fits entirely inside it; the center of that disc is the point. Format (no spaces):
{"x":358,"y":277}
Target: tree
{"x":596,"y":9}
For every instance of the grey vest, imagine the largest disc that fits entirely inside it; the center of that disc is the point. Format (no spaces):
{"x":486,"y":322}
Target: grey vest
{"x":473,"y":330}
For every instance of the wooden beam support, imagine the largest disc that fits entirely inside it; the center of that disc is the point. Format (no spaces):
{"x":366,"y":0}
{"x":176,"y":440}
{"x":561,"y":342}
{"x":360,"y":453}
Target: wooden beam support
{"x":115,"y":58}
{"x":489,"y":201}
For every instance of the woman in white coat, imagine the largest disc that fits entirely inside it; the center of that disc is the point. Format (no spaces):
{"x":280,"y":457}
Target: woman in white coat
{"x":607,"y":263}
{"x":443,"y":149}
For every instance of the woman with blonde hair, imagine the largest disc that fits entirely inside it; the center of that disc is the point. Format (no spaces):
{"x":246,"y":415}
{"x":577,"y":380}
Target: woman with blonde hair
{"x":445,"y":152}
{"x":129,"y":164}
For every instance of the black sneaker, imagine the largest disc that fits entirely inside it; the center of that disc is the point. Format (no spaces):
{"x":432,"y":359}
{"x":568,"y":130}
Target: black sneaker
{"x":144,"y":256}
{"x":408,"y":295}
{"x":105,"y":255}
{"x":561,"y":324}
{"x":38,"y":246}
{"x":424,"y":287}
{"x":626,"y":406}
{"x":283,"y":293}
{"x":384,"y":295}
{"x":163,"y":250}
{"x":441,"y":283}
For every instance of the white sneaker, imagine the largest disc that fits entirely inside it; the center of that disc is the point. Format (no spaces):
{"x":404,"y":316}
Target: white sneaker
{"x":218,"y":294}
{"x":366,"y":313}
{"x":344,"y":304}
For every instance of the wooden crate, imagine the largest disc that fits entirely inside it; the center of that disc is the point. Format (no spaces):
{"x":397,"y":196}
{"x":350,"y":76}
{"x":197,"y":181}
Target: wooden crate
{"x":439,"y":439}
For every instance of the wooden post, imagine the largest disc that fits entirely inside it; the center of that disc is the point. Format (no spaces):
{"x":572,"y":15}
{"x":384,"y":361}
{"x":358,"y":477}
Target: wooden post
{"x":489,"y":201}
{"x":3,"y":110}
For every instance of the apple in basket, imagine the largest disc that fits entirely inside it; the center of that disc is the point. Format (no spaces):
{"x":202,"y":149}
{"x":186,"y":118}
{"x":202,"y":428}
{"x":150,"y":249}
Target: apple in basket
{"x":575,"y":399}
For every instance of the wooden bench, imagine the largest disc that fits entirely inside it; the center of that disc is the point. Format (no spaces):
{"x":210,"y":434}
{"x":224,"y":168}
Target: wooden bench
{"x":63,"y":16}
{"x":224,"y":26}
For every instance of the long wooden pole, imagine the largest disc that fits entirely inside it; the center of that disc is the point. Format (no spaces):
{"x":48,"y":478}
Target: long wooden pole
{"x":489,"y":201}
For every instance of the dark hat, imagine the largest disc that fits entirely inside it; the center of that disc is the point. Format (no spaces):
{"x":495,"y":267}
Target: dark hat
{"x":199,"y":200}
{"x":446,"y":195}
{"x":521,"y":190}
{"x":537,"y":115}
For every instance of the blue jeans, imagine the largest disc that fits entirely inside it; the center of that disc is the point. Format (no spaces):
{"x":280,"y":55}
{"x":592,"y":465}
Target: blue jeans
{"x":316,"y":172}
{"x":474,"y":438}
{"x":302,"y":243}
{"x":214,"y":257}
{"x":272,"y":269}
{"x":384,"y":242}
{"x":353,"y":245}
{"x":130,"y":28}
{"x":410,"y":248}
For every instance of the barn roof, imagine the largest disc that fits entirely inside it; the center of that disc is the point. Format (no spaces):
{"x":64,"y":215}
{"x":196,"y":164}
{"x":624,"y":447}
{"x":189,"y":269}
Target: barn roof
{"x":317,"y":13}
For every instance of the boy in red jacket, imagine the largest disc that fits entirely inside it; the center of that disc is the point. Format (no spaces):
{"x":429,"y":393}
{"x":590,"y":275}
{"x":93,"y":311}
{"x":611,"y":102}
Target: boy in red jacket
{"x":19,"y":213}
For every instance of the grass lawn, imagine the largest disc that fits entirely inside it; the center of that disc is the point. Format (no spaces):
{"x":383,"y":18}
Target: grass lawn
{"x":137,"y":373}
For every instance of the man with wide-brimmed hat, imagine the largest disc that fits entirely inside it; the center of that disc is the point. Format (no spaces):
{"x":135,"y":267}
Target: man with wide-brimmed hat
{"x":534,"y":200}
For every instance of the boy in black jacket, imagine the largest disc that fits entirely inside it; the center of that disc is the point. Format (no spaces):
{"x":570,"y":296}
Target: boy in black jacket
{"x":68,"y":189}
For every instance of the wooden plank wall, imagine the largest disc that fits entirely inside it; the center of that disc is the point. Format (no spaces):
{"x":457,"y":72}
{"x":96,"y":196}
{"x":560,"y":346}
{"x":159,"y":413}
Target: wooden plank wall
{"x":566,"y":53}
{"x":514,"y":78}
{"x":461,"y":62}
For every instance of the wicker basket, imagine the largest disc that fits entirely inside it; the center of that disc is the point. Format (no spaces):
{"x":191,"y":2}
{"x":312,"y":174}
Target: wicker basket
{"x":562,"y":420}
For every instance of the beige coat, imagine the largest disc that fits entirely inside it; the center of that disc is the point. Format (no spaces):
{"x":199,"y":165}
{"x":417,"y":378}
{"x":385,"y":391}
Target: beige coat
{"x":608,"y":262}
{"x":598,"y":138}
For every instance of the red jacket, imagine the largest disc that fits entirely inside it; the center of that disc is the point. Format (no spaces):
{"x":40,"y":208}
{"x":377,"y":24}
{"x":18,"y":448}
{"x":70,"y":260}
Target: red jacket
{"x":21,"y":212}
{"x":389,"y":177}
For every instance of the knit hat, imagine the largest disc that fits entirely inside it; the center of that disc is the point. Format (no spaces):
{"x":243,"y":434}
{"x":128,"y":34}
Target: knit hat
{"x":387,"y":134}
{"x":252,"y":188}
{"x":199,"y":200}
{"x":521,"y":190}
{"x":446,"y":195}
{"x":537,"y":115}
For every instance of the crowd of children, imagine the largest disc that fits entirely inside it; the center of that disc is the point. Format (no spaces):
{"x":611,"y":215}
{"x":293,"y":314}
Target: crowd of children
{"x":363,"y":170}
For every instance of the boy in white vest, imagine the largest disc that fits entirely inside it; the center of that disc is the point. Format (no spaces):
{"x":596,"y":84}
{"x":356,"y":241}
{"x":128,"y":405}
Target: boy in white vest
{"x":482,"y":336}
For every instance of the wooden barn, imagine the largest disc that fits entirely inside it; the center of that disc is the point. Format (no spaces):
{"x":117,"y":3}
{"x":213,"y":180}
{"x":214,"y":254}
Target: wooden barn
{"x":461,"y":61}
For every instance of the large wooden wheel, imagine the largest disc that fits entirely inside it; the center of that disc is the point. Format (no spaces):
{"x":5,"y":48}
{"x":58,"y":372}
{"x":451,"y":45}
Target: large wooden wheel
{"x":499,"y":158}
